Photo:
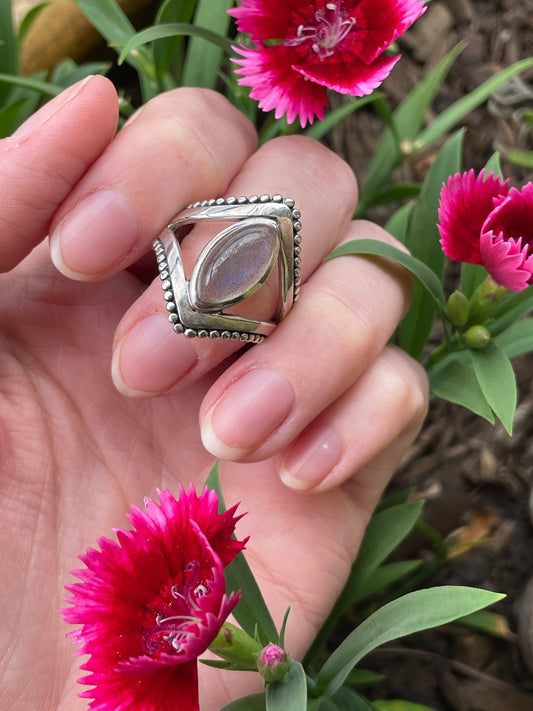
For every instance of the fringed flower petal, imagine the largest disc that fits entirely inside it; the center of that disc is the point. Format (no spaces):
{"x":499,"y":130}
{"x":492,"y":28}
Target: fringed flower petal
{"x":151,"y":602}
{"x":465,"y":203}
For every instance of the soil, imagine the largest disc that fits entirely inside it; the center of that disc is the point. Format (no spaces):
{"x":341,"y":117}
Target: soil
{"x":476,"y":480}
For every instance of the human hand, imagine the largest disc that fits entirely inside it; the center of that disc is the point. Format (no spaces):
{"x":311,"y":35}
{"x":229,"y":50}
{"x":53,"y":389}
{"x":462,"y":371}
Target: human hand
{"x":324,"y":400}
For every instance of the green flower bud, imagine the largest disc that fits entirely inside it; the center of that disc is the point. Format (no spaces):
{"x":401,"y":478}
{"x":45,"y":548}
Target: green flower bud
{"x":236,"y":647}
{"x":272,"y":663}
{"x":485,"y":300}
{"x":477,"y":337}
{"x":458,"y":308}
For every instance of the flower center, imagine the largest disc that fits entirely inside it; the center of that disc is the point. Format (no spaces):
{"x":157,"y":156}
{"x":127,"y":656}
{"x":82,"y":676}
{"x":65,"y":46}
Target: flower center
{"x":168,"y":635}
{"x":330,"y":29}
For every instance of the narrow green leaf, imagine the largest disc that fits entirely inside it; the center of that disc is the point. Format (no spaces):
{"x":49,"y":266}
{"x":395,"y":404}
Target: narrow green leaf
{"x":320,"y":128}
{"x":520,"y":157}
{"x":396,"y":193}
{"x":383,"y":577}
{"x":172,"y":30}
{"x":289,"y":694}
{"x":398,"y":705}
{"x":9,"y":116}
{"x":493,"y":165}
{"x":251,"y":611}
{"x":471,"y":277}
{"x":487,"y":622}
{"x":166,"y":50}
{"x":399,"y":497}
{"x":8,"y":47}
{"x":453,"y":379}
{"x":255,"y":702}
{"x":418,"y":269}
{"x":28,"y":20}
{"x":451,"y":116}
{"x":384,"y":533}
{"x":423,"y":243}
{"x":204,"y":59}
{"x":416,"y":611}
{"x":496,"y":379}
{"x":408,"y":118}
{"x":363,"y":677}
{"x":39,"y":85}
{"x":517,"y":339}
{"x":514,"y":306}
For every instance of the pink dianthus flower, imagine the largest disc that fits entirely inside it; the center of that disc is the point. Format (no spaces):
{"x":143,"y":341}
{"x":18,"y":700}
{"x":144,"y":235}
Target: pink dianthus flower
{"x":305,"y":47}
{"x":151,"y":603}
{"x":482,"y":221}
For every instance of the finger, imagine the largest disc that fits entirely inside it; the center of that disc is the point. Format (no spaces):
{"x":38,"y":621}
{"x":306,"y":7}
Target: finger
{"x":172,"y":153}
{"x":45,"y":158}
{"x":366,"y":430}
{"x":346,"y":314}
{"x":149,"y":358}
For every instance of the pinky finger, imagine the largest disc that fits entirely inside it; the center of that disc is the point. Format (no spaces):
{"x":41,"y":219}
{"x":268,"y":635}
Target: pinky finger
{"x":362,"y":436}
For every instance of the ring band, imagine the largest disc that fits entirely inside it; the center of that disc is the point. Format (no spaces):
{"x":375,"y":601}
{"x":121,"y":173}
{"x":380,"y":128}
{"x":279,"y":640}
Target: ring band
{"x":263,"y":232}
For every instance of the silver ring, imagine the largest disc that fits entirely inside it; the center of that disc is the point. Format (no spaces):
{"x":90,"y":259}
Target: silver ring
{"x":238,"y":260}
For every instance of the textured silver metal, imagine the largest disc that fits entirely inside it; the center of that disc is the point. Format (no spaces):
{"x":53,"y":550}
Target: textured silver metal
{"x":263,"y":232}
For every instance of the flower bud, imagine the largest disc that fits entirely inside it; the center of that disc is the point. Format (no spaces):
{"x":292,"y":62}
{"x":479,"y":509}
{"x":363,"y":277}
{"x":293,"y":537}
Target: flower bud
{"x":272,"y":663}
{"x":458,"y":308}
{"x":477,"y":337}
{"x":236,"y":647}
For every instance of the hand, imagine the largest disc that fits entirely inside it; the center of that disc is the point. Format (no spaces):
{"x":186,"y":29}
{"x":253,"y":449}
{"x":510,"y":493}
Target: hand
{"x":324,"y":400}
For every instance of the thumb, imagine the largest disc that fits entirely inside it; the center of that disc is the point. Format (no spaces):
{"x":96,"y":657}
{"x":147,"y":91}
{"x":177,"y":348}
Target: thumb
{"x":43,"y":160}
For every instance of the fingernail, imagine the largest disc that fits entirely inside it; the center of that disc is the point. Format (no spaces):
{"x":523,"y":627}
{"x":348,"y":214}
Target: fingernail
{"x":247,"y":414}
{"x":50,"y":109}
{"x":151,"y":358}
{"x":98,"y":233}
{"x":311,"y":457}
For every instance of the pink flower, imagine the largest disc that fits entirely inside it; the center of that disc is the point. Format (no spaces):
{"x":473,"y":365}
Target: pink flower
{"x":318,"y":45}
{"x":483,"y":222}
{"x":154,"y":601}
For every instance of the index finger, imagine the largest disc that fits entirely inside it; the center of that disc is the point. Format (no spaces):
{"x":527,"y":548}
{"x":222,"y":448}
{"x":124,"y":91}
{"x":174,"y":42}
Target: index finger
{"x":180,"y":147}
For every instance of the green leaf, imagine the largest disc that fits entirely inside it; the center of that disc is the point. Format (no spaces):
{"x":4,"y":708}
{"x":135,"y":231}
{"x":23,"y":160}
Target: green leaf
{"x":320,"y":128}
{"x":251,"y":611}
{"x":113,"y":24}
{"x":28,"y":20}
{"x":399,"y":497}
{"x":172,"y":30}
{"x":471,"y":277}
{"x":520,"y":157}
{"x":423,"y":242}
{"x":43,"y":87}
{"x":204,"y":59}
{"x":408,"y":119}
{"x":419,"y":610}
{"x":382,"y":578}
{"x":255,"y":702}
{"x":363,"y":677}
{"x":453,"y":379}
{"x":496,"y":379}
{"x":385,"y":531}
{"x":8,"y":47}
{"x":166,"y":50}
{"x":488,"y":623}
{"x":398,"y":705}
{"x":9,"y":117}
{"x":517,"y":339}
{"x":514,"y":306}
{"x":289,"y":694}
{"x":418,"y":269}
{"x":451,"y":116}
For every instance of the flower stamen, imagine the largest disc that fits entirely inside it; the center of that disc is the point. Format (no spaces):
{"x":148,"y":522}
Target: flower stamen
{"x":330,"y":30}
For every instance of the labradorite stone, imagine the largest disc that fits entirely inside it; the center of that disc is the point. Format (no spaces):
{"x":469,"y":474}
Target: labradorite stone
{"x":234,"y":265}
